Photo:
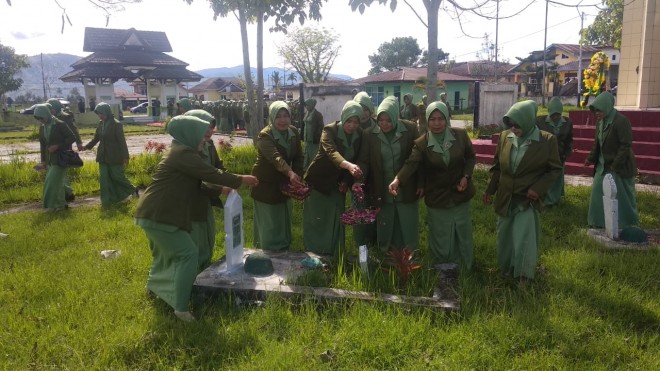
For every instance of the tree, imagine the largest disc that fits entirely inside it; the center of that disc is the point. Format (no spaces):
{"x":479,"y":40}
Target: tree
{"x":277,"y":80}
{"x":400,"y":52}
{"x":293,"y":78}
{"x":606,"y":29}
{"x":10,"y":63}
{"x":311,"y":52}
{"x":284,"y":12}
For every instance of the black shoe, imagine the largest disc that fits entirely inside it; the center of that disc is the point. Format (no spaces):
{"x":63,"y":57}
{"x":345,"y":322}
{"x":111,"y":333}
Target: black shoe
{"x":136,"y":193}
{"x":69,"y":197}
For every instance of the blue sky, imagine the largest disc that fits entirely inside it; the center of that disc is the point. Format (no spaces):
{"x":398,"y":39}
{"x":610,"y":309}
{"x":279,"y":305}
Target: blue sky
{"x":33,"y":26}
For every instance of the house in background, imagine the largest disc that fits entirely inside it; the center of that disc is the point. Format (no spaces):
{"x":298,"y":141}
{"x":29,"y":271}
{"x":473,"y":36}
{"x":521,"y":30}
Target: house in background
{"x":412,"y":80}
{"x":219,"y":88}
{"x":483,"y":70}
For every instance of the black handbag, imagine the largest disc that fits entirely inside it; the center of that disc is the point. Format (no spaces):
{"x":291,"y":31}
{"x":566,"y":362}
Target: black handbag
{"x":69,"y":158}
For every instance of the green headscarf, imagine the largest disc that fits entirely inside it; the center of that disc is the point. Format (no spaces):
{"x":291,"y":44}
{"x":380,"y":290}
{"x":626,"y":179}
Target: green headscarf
{"x":351,"y":109}
{"x":200,"y":114}
{"x":364,"y":99}
{"x":555,"y":106}
{"x":604,"y":102}
{"x":185,"y":104}
{"x":104,"y":108}
{"x":187,"y":130}
{"x":443,"y":141}
{"x":55,"y":104}
{"x":390,"y":106}
{"x":281,"y":137}
{"x":42,"y":111}
{"x":524,"y":114}
{"x":310,"y":104}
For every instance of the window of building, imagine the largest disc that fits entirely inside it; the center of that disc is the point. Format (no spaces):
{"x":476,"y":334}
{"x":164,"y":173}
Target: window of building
{"x":564,"y":56}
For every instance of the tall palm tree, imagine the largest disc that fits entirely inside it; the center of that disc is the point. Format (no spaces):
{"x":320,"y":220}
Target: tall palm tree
{"x":293,"y":78}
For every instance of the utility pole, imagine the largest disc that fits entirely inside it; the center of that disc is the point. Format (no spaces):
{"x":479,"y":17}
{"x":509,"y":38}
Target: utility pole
{"x":497,"y":33}
{"x":545,"y":40}
{"x":43,"y":77}
{"x":579,"y":71}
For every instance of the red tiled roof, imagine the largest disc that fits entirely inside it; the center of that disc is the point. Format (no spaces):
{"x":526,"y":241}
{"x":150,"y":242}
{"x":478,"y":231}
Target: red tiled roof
{"x":408,"y":74}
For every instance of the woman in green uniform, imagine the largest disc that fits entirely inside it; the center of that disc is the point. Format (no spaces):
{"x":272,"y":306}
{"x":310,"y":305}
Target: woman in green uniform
{"x":183,"y":105}
{"x":526,"y":164}
{"x":446,"y":160}
{"x":164,"y":212}
{"x":202,"y":216}
{"x":313,"y":128}
{"x":54,"y":135}
{"x":612,"y":153}
{"x":67,"y":118}
{"x":330,"y":175}
{"x":112,"y":156}
{"x":386,"y":147}
{"x":409,"y":110}
{"x":561,"y":127}
{"x":279,"y":161}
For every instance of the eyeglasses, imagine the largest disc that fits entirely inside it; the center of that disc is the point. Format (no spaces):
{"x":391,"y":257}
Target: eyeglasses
{"x":515,"y":126}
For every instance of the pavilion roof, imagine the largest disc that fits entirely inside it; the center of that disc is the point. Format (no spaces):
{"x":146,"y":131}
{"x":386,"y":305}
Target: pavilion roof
{"x":102,"y":39}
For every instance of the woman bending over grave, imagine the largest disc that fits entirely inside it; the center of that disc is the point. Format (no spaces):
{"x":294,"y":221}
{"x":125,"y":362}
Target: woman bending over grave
{"x":279,"y":162}
{"x":330,"y":175}
{"x":165,"y":212}
{"x":445,"y":159}
{"x":612,"y":153}
{"x":526,"y":164}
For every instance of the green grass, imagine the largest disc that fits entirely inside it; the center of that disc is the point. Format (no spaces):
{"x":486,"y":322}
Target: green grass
{"x":66,"y":307}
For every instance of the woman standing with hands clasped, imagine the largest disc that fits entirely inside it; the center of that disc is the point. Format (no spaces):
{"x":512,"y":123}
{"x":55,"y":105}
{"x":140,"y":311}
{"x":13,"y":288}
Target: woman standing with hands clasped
{"x":279,"y":161}
{"x":526,"y":164}
{"x":446,"y":160}
{"x":386,"y":147}
{"x":330,"y":175}
{"x":165,"y":211}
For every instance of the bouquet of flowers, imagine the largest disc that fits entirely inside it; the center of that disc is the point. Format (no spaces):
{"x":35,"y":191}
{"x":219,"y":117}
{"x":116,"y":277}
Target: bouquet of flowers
{"x":359,"y":216}
{"x":155,"y":147}
{"x":296,"y":192}
{"x":595,"y":75}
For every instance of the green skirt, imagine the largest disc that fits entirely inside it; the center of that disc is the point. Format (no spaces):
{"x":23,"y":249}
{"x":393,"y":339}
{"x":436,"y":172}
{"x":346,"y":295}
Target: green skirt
{"x":625,"y":195}
{"x":450,"y":234}
{"x":397,"y":225}
{"x":174,"y":267}
{"x":322,"y":231}
{"x":203,"y":234}
{"x":556,"y":190}
{"x":53,"y":195}
{"x":518,"y":237}
{"x":310,"y":152}
{"x":115,"y":187}
{"x":272,"y":225}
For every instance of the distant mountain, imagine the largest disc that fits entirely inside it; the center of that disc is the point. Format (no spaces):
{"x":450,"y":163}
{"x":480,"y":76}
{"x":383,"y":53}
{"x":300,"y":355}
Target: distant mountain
{"x":56,"y":65}
{"x":268,"y":72}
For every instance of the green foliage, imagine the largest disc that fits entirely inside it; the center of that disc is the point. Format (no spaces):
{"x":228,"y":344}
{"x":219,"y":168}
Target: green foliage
{"x":311,"y":51}
{"x":400,"y":52}
{"x":10,"y":64}
{"x":607,"y":26}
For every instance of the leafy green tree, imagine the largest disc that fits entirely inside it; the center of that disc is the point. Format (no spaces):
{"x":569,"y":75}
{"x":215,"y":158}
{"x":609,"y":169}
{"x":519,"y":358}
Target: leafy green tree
{"x":10,"y":63}
{"x":311,"y":51}
{"x":400,"y":52}
{"x":283,"y":12}
{"x":606,"y":29}
{"x":293,"y":78}
{"x":277,"y":80}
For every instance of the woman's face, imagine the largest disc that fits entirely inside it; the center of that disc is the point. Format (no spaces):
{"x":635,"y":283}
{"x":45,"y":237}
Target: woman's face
{"x":282,"y":120}
{"x":599,"y":114}
{"x":515,"y":128}
{"x":351,"y":125}
{"x":437,"y":122}
{"x":555,"y":117}
{"x":208,"y":134}
{"x":366,"y":114}
{"x":102,"y":116}
{"x":384,"y":122}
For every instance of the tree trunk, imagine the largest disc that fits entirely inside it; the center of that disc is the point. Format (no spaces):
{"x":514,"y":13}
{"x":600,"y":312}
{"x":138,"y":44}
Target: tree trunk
{"x":260,"y":67}
{"x":248,"y":75}
{"x":432,"y":10}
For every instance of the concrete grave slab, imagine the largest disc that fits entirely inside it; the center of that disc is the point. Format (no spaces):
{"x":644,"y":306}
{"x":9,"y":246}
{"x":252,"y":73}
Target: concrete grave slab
{"x":287,"y":266}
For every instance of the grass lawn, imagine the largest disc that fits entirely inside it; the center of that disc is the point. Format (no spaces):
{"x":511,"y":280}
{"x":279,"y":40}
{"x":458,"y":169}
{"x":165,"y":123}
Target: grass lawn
{"x":66,"y":307}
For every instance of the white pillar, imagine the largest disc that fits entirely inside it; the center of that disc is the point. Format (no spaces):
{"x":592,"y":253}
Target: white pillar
{"x":610,"y":207}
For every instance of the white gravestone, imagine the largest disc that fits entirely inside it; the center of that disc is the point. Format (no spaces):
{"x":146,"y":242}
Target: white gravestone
{"x":610,"y":207}
{"x":364,"y":258}
{"x":233,"y":210}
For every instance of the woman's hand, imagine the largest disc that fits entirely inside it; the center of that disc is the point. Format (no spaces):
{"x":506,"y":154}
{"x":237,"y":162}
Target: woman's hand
{"x":532,"y":195}
{"x":249,"y":180}
{"x":52,"y":148}
{"x":394,"y":187}
{"x":462,"y":184}
{"x":486,"y":198}
{"x":353,"y":169}
{"x":295,"y":179}
{"x":227,"y":190}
